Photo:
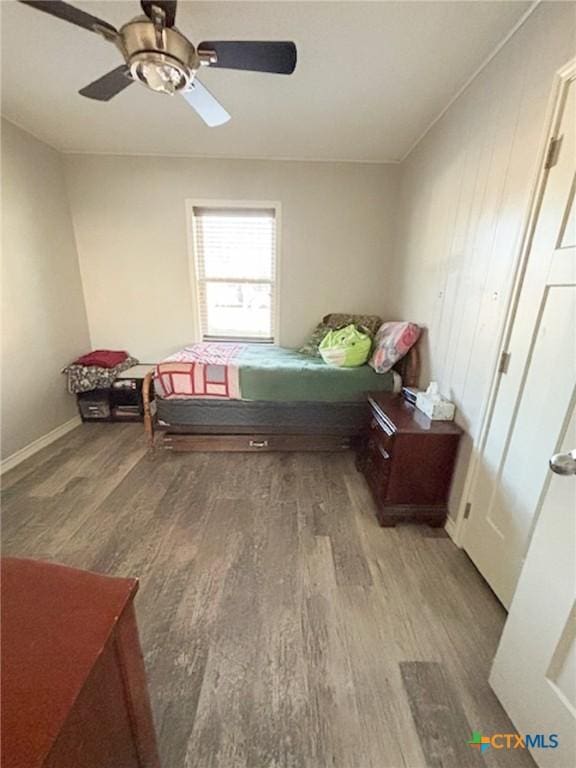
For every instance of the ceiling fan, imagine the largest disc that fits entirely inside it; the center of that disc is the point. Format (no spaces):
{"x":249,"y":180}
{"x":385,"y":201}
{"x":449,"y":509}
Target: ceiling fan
{"x":158,"y":55}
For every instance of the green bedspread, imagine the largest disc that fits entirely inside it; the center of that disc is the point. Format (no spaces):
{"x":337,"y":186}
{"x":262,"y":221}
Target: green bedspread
{"x":279,"y":374}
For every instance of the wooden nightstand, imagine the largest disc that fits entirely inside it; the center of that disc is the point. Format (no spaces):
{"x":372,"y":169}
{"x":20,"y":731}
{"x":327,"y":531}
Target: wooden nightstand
{"x":408,"y":461}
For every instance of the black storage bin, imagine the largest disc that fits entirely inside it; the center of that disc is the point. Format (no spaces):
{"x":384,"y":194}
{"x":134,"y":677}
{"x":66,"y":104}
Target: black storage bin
{"x":95,"y":405}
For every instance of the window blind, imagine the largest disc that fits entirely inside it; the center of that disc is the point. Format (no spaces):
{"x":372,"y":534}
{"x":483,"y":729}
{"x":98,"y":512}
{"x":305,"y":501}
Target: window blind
{"x":235,"y":250}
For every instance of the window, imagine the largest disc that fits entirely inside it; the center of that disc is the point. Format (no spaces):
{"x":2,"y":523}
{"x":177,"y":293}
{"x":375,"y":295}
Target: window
{"x":235,"y":251}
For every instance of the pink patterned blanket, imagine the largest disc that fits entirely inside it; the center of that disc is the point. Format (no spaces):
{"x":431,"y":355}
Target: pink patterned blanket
{"x":204,"y":370}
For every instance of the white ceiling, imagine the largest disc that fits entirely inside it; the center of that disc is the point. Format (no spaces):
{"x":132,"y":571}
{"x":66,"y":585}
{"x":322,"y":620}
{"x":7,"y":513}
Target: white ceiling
{"x":371,"y":77}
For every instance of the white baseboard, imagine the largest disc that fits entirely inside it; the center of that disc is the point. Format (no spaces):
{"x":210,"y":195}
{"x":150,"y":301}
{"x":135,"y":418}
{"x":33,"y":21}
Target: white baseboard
{"x":450,"y":528}
{"x":37,"y":445}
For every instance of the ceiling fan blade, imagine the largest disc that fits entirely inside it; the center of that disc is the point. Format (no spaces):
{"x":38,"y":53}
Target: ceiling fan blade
{"x":276,"y":57}
{"x":206,"y":105}
{"x":168,"y":6}
{"x":69,"y":13}
{"x":108,"y":85}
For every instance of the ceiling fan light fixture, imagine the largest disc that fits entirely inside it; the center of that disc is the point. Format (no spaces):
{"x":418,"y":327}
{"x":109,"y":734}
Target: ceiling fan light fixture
{"x":160,"y":72}
{"x":157,"y":55}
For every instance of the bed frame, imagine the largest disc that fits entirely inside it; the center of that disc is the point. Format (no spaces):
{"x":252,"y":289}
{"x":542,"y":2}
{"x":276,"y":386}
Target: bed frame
{"x":258,"y":438}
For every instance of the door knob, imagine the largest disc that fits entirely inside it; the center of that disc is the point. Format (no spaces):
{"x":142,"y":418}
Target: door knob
{"x":564,"y":463}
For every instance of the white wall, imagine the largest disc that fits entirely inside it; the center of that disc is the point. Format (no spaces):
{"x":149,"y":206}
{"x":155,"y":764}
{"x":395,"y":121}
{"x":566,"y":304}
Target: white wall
{"x":129,"y":216}
{"x":44,"y":323}
{"x":465,"y":195}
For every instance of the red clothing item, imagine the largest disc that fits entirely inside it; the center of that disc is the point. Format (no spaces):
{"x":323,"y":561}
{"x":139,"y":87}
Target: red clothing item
{"x":103,"y":358}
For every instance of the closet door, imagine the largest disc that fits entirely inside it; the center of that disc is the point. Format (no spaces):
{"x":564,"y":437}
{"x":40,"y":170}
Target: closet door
{"x":537,"y":686}
{"x":536,"y":391}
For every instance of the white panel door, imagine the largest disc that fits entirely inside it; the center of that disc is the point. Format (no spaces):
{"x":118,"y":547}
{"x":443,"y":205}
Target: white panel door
{"x":535,"y":393}
{"x":534,"y":672}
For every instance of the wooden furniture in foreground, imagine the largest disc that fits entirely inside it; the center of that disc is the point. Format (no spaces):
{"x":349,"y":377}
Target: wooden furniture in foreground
{"x":73,"y":682}
{"x":408,"y":461}
{"x":321,"y":436}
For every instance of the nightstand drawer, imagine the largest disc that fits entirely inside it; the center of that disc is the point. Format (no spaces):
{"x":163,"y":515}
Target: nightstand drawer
{"x":380,"y":436}
{"x":377,"y":468}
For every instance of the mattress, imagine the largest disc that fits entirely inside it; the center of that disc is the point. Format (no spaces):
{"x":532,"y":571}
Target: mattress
{"x":264,"y":373}
{"x":205,"y":416}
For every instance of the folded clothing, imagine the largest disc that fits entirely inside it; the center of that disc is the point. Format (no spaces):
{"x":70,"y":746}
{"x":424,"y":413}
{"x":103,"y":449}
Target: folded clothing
{"x":103,"y":358}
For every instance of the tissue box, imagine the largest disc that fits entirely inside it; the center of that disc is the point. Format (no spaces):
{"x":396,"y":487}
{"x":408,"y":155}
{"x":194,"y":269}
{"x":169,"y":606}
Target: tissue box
{"x":438,"y":410}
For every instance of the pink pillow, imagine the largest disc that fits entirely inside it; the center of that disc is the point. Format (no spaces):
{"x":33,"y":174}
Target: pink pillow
{"x":391,"y":343}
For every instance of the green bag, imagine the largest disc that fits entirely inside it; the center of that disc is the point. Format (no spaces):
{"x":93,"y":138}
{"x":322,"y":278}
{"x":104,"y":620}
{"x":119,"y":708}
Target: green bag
{"x":346,"y":347}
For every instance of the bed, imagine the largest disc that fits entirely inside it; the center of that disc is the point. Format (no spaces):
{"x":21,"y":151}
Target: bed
{"x":257,"y":397}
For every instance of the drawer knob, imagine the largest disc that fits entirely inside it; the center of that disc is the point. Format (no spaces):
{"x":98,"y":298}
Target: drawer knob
{"x":258,"y":443}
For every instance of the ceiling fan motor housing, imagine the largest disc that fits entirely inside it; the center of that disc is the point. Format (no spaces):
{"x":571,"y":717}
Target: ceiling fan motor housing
{"x":163,"y":59}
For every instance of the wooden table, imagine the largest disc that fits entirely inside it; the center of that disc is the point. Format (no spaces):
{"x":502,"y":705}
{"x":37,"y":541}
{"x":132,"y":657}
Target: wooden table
{"x":408,"y":461}
{"x":74,"y":689}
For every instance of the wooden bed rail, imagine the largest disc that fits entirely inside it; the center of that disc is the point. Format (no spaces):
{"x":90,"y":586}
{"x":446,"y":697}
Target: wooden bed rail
{"x":149,"y":408}
{"x":409,"y":367}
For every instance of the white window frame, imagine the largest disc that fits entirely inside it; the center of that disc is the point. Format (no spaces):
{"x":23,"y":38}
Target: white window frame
{"x":192,"y":261}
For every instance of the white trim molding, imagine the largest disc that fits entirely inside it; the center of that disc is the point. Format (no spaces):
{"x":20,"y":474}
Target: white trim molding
{"x":29,"y":450}
{"x":473,"y":76}
{"x":450,"y":528}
